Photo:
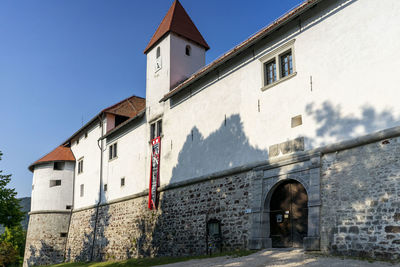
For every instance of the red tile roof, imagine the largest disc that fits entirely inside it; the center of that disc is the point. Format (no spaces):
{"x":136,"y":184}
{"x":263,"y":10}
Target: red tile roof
{"x":242,"y":46}
{"x":61,"y":153}
{"x":128,"y":107}
{"x":179,"y":22}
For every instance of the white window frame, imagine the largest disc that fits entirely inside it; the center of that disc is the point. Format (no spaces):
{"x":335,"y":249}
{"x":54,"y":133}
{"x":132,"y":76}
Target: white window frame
{"x":276,"y":55}
{"x":112,"y":152}
{"x":157,"y":131}
{"x":80,"y":166}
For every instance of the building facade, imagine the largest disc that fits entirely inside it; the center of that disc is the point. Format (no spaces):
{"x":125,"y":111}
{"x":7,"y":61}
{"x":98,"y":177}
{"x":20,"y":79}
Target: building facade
{"x":291,"y":139}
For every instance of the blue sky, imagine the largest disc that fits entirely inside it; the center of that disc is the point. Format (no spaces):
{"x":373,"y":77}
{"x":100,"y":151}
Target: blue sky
{"x":62,"y":61}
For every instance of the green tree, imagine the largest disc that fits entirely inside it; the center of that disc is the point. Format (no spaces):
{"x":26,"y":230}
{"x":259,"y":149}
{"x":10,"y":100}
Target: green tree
{"x":12,"y":246}
{"x":10,"y":213}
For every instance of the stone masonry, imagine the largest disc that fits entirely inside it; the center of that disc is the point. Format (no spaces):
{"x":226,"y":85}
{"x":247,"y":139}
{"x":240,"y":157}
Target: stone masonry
{"x":46,"y":238}
{"x":128,"y":229}
{"x":360,"y":213}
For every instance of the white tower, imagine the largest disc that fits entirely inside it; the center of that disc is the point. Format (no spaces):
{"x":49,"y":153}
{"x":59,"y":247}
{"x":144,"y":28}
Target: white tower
{"x":51,"y":206}
{"x":176,"y":51}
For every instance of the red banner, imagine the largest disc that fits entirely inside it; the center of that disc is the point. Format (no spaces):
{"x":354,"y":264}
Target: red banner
{"x":154,"y":172}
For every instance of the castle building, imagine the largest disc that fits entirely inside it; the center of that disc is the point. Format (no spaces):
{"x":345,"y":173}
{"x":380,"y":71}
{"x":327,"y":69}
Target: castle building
{"x":290,"y":139}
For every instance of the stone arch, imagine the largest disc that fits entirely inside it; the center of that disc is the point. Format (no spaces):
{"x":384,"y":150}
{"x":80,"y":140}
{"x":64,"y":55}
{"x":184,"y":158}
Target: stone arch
{"x":267,"y":197}
{"x":306,"y":171}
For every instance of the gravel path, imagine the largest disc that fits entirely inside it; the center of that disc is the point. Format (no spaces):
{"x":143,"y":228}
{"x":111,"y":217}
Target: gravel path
{"x":280,"y":258}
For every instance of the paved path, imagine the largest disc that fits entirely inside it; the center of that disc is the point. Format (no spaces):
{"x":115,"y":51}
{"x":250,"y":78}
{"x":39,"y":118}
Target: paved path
{"x":280,"y":258}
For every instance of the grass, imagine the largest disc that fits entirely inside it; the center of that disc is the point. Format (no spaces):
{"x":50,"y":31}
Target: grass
{"x":154,"y":261}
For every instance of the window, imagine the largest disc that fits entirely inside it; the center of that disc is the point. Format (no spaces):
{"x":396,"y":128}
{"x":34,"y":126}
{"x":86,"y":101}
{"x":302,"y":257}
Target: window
{"x":155,"y":129}
{"x":158,"y":59}
{"x":82,"y":190}
{"x":55,"y":183}
{"x":68,"y":207}
{"x":122,"y":181}
{"x":77,"y":141}
{"x":63,"y":234}
{"x":286,"y":64}
{"x":105,"y":187}
{"x":188,"y":50}
{"x":58,"y":166}
{"x":86,"y":134}
{"x":80,"y":166}
{"x":278,"y":65}
{"x":112,"y":151}
{"x":270,"y":69}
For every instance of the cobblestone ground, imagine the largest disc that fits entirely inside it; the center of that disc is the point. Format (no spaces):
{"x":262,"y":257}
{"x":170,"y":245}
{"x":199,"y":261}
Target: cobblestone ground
{"x":281,"y":258}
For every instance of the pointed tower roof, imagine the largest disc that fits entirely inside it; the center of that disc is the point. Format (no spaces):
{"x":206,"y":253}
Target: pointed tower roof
{"x":179,"y":22}
{"x":61,"y":153}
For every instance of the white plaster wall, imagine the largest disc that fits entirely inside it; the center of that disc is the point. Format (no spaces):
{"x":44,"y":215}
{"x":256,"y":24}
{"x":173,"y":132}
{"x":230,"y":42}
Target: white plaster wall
{"x":157,"y":83}
{"x":182,"y":66}
{"x":350,"y":52}
{"x":130,"y":163}
{"x":88,"y":149}
{"x":352,"y":56}
{"x":45,"y":197}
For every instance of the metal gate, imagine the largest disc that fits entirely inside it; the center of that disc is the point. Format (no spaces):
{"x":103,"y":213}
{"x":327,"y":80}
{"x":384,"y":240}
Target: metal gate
{"x":288,"y":215}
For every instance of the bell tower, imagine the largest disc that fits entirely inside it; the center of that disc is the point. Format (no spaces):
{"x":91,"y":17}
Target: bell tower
{"x":176,"y":51}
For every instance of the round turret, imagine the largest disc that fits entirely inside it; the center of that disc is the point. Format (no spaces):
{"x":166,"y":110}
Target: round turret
{"x":52,"y":186}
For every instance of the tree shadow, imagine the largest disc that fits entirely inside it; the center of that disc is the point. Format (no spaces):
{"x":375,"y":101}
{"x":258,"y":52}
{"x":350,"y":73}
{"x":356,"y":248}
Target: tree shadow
{"x":223,"y":149}
{"x":333,"y":124}
{"x":46,"y":255}
{"x":92,"y":240}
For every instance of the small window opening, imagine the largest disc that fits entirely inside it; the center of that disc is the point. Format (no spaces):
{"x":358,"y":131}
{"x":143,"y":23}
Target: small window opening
{"x":63,"y":234}
{"x":188,"y":50}
{"x":105,"y":187}
{"x":82,"y":188}
{"x":59,"y":166}
{"x":55,"y":183}
{"x":122,"y":181}
{"x":80,"y":166}
{"x":68,"y":207}
{"x":158,"y":53}
{"x":112,"y":151}
{"x":120,"y":119}
{"x":77,"y":141}
{"x":86,"y":134}
{"x":155,"y":129}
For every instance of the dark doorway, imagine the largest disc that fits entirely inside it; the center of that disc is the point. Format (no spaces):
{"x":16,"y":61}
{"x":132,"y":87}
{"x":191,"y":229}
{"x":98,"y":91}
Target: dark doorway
{"x":288,"y":215}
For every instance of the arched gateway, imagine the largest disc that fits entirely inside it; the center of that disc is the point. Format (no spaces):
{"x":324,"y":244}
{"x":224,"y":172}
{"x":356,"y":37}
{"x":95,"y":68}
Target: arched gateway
{"x":288,"y":214}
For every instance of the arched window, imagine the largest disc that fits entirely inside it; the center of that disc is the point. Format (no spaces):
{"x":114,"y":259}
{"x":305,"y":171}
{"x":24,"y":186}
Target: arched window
{"x":158,"y":53}
{"x":188,"y":50}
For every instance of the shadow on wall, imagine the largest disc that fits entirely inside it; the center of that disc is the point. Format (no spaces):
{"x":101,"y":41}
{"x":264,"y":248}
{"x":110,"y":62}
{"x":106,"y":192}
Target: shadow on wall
{"x":360,"y":213}
{"x":225,"y":148}
{"x":86,"y":251}
{"x":333,"y":124}
{"x":47,"y":254}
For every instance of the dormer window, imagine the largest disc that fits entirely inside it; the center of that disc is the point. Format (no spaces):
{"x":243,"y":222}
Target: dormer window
{"x":188,"y":50}
{"x":158,"y":59}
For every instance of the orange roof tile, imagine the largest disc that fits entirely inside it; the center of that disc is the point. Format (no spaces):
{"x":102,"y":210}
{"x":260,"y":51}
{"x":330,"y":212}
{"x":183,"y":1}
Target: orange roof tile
{"x":128,"y":107}
{"x":61,"y":153}
{"x":179,"y":22}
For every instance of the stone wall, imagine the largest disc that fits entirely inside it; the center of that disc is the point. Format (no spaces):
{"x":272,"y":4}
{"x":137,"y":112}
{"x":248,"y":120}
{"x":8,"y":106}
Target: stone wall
{"x":46,"y":238}
{"x":128,"y":229}
{"x":360,"y":191}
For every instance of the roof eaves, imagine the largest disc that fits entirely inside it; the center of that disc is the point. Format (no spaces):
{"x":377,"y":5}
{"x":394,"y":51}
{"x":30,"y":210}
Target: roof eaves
{"x":239,"y":48}
{"x":138,"y":115}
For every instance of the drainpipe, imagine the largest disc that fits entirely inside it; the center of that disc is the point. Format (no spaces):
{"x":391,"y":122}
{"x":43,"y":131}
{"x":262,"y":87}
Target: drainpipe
{"x":101,"y":147}
{"x":70,"y":216}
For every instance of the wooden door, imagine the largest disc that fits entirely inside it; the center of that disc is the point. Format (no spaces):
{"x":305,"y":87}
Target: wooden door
{"x":288,"y":215}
